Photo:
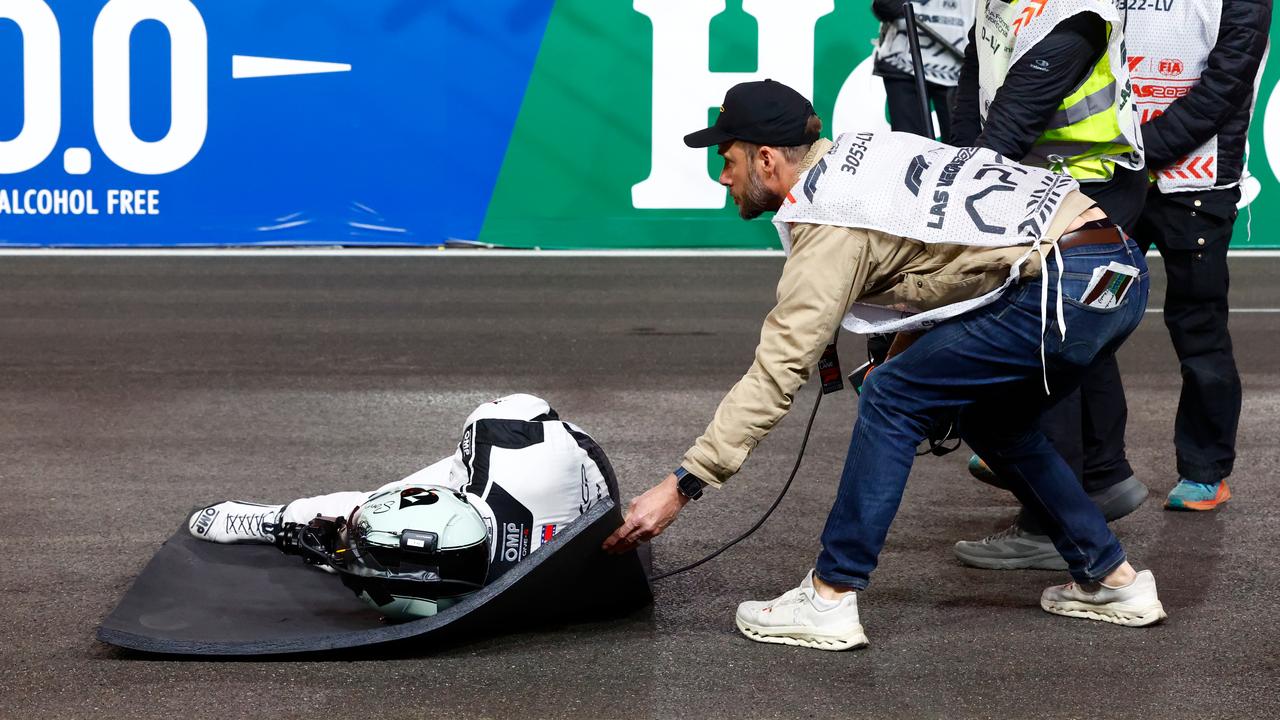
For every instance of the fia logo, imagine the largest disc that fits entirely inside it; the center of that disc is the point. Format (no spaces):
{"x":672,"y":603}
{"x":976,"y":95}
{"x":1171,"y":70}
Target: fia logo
{"x":1170,"y":67}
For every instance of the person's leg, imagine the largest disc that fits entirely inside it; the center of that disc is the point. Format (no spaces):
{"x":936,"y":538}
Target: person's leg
{"x":339,"y":504}
{"x":1027,"y":544}
{"x":944,"y":368}
{"x":1104,"y":415}
{"x":1196,"y":313}
{"x":1004,"y":432}
{"x":1086,"y":427}
{"x":903,"y":105}
{"x":1061,"y":424}
{"x":881,"y":452}
{"x":235,"y":522}
{"x":942,"y":97}
{"x":998,"y":428}
{"x":952,"y":365}
{"x":1209,"y":405}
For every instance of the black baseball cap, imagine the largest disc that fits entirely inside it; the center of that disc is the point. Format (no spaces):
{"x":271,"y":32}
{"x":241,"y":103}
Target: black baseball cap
{"x":764,"y":112}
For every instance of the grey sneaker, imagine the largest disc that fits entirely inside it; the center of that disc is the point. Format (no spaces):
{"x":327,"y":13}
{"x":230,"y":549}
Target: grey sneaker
{"x":1010,"y":549}
{"x":1120,"y":499}
{"x":236,"y":522}
{"x":1134,"y":605}
{"x":793,"y":619}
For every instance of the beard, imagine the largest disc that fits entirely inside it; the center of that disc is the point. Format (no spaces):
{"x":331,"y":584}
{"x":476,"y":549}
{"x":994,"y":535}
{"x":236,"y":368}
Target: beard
{"x":757,"y":198}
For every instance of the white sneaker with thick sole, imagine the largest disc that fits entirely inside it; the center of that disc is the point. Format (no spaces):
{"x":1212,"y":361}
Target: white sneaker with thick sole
{"x":236,"y":522}
{"x":793,"y":619}
{"x":1134,"y":605}
{"x":1010,"y":549}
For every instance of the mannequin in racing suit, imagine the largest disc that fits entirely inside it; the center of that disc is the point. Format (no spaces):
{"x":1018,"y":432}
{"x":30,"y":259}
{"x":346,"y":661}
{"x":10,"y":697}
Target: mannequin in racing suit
{"x":526,"y":471}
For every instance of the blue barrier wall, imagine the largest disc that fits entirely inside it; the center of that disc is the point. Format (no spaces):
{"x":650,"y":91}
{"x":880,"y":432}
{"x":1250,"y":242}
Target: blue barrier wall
{"x":520,"y":123}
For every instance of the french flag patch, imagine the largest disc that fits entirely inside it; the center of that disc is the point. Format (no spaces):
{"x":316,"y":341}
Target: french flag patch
{"x":548,"y":532}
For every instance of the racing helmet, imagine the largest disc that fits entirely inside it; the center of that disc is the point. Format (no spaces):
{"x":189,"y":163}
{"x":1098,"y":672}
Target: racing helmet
{"x":409,"y":552}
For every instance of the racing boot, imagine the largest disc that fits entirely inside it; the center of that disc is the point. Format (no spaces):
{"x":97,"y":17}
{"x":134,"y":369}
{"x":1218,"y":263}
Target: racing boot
{"x":231,"y":522}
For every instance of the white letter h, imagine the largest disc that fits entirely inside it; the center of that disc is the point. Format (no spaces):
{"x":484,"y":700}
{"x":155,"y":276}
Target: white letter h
{"x":684,"y":86}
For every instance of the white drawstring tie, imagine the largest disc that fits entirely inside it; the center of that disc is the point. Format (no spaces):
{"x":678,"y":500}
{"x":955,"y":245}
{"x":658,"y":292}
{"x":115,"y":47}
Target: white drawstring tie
{"x":1043,"y":252}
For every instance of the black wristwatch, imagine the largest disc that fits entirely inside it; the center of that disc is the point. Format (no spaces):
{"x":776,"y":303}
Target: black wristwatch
{"x":688,"y":484}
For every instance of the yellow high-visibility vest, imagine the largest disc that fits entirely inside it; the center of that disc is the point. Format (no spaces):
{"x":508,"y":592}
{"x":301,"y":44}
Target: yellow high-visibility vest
{"x":1095,"y":127}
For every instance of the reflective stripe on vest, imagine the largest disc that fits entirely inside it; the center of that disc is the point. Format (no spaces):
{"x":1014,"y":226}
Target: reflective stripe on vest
{"x":1085,"y":131}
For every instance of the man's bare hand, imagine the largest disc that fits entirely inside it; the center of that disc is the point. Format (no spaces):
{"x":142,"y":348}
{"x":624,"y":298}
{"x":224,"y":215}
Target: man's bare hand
{"x":647,"y":516}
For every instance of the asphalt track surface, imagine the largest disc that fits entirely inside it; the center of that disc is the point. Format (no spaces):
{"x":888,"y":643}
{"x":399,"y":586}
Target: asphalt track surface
{"x":134,"y":389}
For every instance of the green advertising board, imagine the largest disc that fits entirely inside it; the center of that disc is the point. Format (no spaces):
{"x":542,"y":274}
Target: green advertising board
{"x":596,"y":158}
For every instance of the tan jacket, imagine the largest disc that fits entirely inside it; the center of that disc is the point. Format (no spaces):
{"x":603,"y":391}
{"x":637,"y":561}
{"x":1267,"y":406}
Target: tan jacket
{"x":828,"y":269}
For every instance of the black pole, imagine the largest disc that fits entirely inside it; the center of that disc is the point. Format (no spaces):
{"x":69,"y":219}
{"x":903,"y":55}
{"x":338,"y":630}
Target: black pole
{"x":917,"y":62}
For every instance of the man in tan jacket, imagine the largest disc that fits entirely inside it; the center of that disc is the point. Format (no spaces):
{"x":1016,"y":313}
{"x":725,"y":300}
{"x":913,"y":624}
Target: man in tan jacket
{"x":946,"y":246}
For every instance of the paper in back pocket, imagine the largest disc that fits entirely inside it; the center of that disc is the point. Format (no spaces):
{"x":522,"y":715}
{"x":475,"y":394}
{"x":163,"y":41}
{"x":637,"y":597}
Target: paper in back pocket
{"x":1109,"y":285}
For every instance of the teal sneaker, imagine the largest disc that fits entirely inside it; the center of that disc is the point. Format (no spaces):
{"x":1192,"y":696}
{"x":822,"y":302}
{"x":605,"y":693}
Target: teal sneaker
{"x":979,"y":470}
{"x":1187,"y":495}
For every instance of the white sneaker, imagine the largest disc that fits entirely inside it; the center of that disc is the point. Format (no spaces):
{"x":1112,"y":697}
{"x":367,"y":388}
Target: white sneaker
{"x":1010,"y":549}
{"x":794,"y":619}
{"x":236,"y":522}
{"x":1134,"y":605}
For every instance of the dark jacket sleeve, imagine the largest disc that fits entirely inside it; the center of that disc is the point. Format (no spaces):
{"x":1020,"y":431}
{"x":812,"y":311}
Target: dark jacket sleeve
{"x":966,"y":119}
{"x":1038,"y":82}
{"x":1226,"y":84}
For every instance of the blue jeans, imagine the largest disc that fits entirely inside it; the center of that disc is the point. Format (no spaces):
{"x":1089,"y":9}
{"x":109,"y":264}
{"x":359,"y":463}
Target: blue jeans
{"x":986,"y":364}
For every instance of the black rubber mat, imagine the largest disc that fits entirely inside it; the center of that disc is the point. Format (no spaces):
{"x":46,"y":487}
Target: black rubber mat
{"x":200,"y":598}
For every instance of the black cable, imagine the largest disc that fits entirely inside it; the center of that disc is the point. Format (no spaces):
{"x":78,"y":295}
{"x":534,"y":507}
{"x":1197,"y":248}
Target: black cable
{"x":803,"y":444}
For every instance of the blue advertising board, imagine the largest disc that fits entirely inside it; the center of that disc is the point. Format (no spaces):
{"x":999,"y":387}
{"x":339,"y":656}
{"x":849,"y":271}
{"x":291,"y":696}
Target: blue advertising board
{"x":172,"y":122}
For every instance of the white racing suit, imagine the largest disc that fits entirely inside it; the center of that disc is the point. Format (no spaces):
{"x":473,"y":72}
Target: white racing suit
{"x":527,"y":472}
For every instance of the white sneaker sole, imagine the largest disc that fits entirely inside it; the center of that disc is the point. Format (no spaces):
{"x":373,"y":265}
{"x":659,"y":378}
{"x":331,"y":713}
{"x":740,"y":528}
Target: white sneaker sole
{"x":1127,"y":618}
{"x":803,"y":637}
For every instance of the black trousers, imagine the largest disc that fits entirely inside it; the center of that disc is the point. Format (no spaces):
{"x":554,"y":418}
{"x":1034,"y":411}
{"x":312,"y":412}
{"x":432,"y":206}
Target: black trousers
{"x":1192,"y":232}
{"x":904,"y":105}
{"x":1087,"y":427}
